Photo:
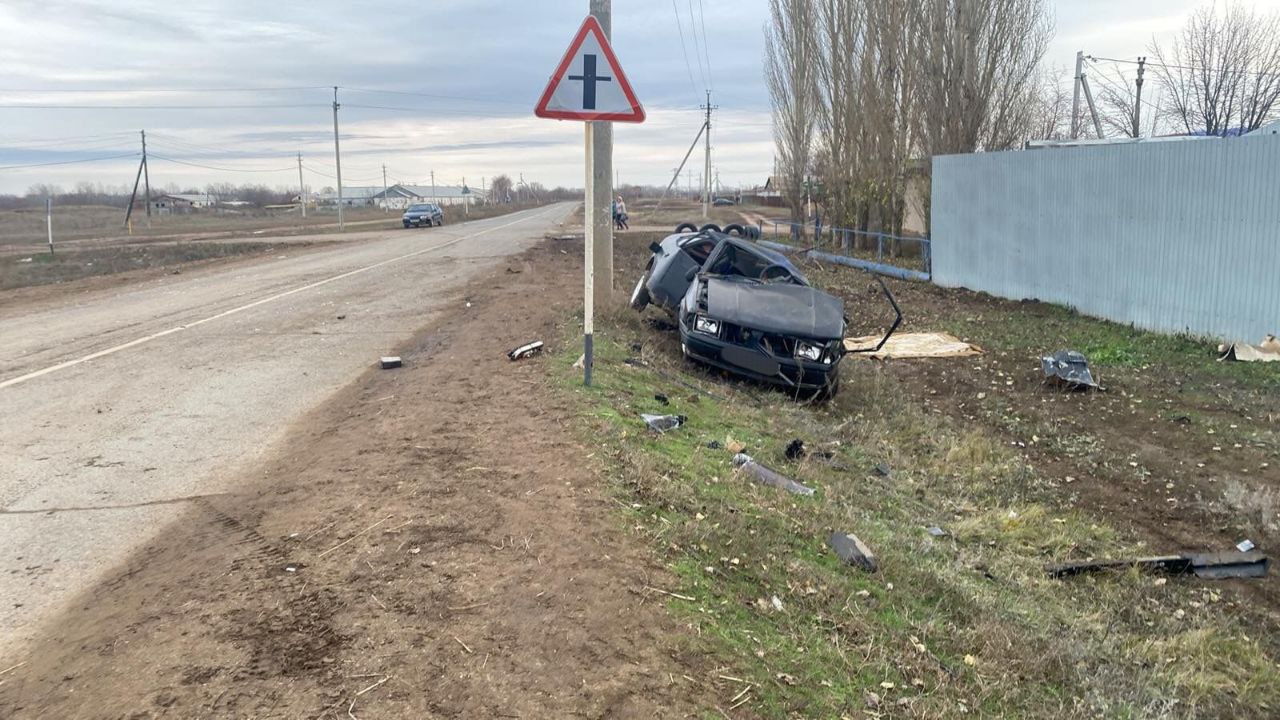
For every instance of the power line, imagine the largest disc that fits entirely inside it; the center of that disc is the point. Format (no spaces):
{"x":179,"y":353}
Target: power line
{"x":432,"y":96}
{"x":100,"y":91}
{"x":684,"y":48}
{"x":1151,"y":63}
{"x":68,"y":162}
{"x":706,"y":48}
{"x":697,"y":51}
{"x":211,"y":167}
{"x":35,"y":106}
{"x":471,"y":113}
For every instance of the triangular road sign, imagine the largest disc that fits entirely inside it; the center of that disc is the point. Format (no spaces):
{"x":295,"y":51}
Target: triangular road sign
{"x":589,"y":83}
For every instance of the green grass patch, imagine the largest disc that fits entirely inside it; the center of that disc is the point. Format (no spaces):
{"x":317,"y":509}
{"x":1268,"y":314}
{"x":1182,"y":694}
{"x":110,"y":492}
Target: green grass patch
{"x":963,"y":624}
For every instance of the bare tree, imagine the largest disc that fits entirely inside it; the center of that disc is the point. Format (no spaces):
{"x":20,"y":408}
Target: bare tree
{"x":1222,"y":71}
{"x":791,"y":72}
{"x":500,"y":189}
{"x":978,"y":86}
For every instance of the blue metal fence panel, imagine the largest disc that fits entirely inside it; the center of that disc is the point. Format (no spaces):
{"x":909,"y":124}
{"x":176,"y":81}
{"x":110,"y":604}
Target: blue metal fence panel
{"x":1168,"y":236}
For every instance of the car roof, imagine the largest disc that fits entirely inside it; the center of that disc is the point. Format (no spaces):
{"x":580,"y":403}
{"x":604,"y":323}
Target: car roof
{"x":773,"y":256}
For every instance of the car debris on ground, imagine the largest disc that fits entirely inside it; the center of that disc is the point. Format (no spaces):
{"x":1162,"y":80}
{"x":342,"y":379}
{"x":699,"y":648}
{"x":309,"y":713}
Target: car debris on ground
{"x":527,"y":350}
{"x":1213,"y":566}
{"x":746,"y":309}
{"x":1070,"y":369}
{"x":1245,"y":545}
{"x":853,"y":551}
{"x":391,"y":361}
{"x":767,"y":476}
{"x":908,"y":346}
{"x":1266,"y":351}
{"x":663,"y":423}
{"x":936,"y":531}
{"x":795,"y":449}
{"x":662,"y":399}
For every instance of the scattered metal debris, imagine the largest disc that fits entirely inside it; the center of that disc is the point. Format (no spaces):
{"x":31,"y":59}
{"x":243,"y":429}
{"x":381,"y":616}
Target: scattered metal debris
{"x":663,"y":423}
{"x":883,"y":470}
{"x":715,"y":445}
{"x":662,"y":399}
{"x":795,"y":449}
{"x":1070,"y":369}
{"x":767,"y":476}
{"x":527,"y":350}
{"x":1212,"y":566}
{"x":1245,"y":545}
{"x":853,"y":551}
{"x":392,"y":361}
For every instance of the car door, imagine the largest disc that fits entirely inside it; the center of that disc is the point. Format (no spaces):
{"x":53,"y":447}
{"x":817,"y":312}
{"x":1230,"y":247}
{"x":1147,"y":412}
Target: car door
{"x":668,"y":288}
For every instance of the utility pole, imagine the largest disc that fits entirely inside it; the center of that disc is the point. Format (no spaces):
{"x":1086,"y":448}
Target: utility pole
{"x":433,"y":186}
{"x":1093,"y":109}
{"x":385,"y":199}
{"x":706,"y":172}
{"x":602,"y":182}
{"x":1075,"y":98}
{"x":337,"y":156}
{"x":1137,"y":102}
{"x":48,"y":220}
{"x":146,"y":176}
{"x":302,"y":188}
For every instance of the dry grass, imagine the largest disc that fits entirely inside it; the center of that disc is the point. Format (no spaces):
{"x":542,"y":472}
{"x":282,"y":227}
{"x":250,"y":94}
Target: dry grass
{"x":963,"y":624}
{"x":18,"y":271}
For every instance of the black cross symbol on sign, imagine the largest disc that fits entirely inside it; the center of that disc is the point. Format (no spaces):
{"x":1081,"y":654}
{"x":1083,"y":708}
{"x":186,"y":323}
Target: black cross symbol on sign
{"x":589,"y":80}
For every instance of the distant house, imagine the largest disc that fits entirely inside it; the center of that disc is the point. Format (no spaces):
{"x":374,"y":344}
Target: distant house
{"x":351,"y":196}
{"x":170,"y":205}
{"x":196,"y":200}
{"x":401,"y":196}
{"x":770,"y":194}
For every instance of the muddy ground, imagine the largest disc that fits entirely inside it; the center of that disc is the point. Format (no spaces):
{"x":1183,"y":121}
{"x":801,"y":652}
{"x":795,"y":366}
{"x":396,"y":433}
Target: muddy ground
{"x":432,"y":542}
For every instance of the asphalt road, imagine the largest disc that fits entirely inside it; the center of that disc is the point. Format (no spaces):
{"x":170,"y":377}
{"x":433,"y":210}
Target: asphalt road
{"x":121,"y":406}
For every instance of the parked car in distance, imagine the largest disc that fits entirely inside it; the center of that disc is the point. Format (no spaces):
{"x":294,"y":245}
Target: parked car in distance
{"x":423,"y":214}
{"x":723,"y":202}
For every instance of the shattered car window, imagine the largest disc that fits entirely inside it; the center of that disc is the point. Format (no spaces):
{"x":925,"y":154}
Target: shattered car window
{"x":733,"y":261}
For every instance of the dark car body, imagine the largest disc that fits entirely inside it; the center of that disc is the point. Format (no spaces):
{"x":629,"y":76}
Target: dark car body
{"x":423,"y":214}
{"x":747,"y":309}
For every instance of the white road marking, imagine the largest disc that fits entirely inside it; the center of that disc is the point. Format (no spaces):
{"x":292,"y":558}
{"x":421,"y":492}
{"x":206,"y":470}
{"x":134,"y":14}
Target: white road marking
{"x":155,"y":336}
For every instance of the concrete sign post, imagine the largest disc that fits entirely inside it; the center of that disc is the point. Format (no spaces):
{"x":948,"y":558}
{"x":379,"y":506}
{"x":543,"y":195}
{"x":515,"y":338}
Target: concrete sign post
{"x":588,"y":86}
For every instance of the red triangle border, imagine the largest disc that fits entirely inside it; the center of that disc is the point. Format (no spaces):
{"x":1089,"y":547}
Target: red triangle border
{"x":590,"y":25}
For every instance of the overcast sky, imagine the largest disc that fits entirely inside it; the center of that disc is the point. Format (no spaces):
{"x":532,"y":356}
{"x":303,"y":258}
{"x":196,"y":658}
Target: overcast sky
{"x":484,"y":61}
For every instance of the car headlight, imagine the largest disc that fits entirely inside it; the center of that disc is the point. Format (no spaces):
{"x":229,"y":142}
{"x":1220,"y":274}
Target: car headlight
{"x":706,"y":325}
{"x":809,"y":352}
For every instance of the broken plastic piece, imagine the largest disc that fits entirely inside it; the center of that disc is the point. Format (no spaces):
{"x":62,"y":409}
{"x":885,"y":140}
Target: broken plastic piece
{"x":1212,"y":566}
{"x":662,"y":399}
{"x":1245,"y":545}
{"x":883,"y":470}
{"x":795,"y":449}
{"x":853,"y":551}
{"x":391,"y":362}
{"x":1069,"y":368}
{"x":715,"y":445}
{"x":937,"y":531}
{"x":526,"y":351}
{"x":663,"y":423}
{"x":766,"y":476}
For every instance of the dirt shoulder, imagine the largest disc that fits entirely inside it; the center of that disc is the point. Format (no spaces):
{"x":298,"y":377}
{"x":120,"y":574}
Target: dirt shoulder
{"x":432,"y":542}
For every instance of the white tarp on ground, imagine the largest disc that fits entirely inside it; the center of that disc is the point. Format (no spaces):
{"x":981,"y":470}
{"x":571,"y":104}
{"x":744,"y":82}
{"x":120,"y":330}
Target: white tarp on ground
{"x":1268,"y":351}
{"x":914,"y":345}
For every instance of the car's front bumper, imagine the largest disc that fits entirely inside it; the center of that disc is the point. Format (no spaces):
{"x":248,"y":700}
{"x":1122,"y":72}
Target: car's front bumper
{"x":757,"y":364}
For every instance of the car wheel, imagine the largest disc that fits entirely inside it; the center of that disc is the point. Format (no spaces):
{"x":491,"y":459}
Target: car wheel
{"x":710,"y":227}
{"x":735,"y":229}
{"x":640,"y":296}
{"x":753,"y":232}
{"x":686,"y":227}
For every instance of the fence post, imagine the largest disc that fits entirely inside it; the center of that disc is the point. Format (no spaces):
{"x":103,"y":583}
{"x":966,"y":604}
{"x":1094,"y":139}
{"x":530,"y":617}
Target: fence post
{"x":879,"y":247}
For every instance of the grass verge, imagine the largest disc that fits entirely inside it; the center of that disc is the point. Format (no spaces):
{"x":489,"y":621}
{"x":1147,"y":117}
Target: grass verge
{"x":966,"y":624}
{"x":18,"y":271}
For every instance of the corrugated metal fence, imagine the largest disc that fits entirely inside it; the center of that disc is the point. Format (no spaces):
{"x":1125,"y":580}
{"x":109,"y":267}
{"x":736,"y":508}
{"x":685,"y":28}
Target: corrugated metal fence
{"x":1171,"y":236}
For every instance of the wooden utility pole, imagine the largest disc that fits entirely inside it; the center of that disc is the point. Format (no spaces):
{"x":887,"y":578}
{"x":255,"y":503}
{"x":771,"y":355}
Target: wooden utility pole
{"x":706,"y":172}
{"x":337,"y":156}
{"x":48,"y":220}
{"x":302,"y":188}
{"x":602,"y":186}
{"x":146,"y":176}
{"x":385,"y":199}
{"x":1137,"y":102}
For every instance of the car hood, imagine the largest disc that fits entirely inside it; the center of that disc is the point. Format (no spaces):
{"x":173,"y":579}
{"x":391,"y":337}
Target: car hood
{"x":776,"y":308}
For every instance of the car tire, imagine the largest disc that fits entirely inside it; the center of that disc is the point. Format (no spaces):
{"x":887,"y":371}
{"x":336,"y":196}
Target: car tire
{"x":640,"y":296}
{"x":712,"y":227}
{"x":753,"y":232}
{"x":735,"y":229}
{"x":686,"y":227}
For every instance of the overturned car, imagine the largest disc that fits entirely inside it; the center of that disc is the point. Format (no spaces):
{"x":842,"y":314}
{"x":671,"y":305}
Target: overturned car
{"x":747,"y":309}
